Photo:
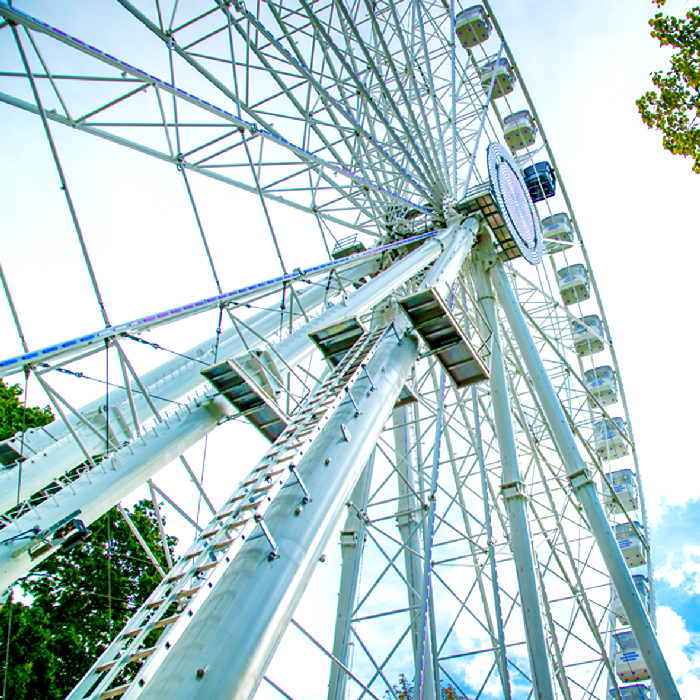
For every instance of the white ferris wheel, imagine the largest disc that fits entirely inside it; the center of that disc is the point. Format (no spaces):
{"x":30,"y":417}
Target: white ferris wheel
{"x":423,"y":372}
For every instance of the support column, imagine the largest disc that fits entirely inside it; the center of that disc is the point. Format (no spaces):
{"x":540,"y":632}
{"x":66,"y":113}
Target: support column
{"x":513,"y":490}
{"x":224,"y":652}
{"x":585,"y":490}
{"x":409,"y":530}
{"x":352,"y":538}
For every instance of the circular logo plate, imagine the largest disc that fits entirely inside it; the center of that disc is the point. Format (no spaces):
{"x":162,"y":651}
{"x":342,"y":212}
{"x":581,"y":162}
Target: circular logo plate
{"x":513,"y":199}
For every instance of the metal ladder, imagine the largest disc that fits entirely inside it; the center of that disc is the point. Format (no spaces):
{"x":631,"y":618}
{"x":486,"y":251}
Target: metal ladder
{"x":175,"y":601}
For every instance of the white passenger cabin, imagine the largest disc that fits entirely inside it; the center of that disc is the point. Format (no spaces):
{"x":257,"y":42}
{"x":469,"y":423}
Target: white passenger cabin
{"x":520,"y":130}
{"x":601,"y":382}
{"x":630,"y":543}
{"x":574,"y":284}
{"x":588,"y":335}
{"x":472,"y":26}
{"x":630,"y":666}
{"x":610,"y":438}
{"x":558,"y":232}
{"x":505,"y":77}
{"x":638,"y":691}
{"x":642,"y":585}
{"x":624,"y":485}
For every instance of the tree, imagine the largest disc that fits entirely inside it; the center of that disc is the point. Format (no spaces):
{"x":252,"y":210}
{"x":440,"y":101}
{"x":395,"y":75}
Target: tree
{"x":79,"y":601}
{"x":14,"y":416}
{"x":404,"y":691}
{"x":675,"y":108}
{"x":76,"y":601}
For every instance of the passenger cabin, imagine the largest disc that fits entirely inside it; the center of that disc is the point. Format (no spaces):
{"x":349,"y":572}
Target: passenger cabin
{"x":610,"y":438}
{"x":624,"y":485}
{"x":520,"y":130}
{"x":574,"y":284}
{"x":541,"y":181}
{"x":641,"y":583}
{"x":601,"y":382}
{"x":588,"y":335}
{"x":638,"y":691}
{"x":558,"y":232}
{"x":630,"y":666}
{"x":505,"y":77}
{"x":472,"y":26}
{"x":631,"y":545}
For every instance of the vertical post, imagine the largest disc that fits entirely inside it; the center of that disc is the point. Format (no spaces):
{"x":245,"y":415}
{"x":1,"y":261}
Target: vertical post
{"x":514,"y":495}
{"x":409,"y":530}
{"x":352,"y":539}
{"x":501,"y":657}
{"x":585,"y":490}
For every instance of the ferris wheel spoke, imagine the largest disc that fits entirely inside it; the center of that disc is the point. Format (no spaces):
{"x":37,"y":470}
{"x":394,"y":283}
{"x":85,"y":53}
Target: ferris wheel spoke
{"x":385,"y":87}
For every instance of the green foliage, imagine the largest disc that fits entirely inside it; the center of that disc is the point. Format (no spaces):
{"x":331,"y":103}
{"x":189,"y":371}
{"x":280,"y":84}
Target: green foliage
{"x":674,"y":108}
{"x":80,"y":600}
{"x":404,"y":691}
{"x":14,"y":417}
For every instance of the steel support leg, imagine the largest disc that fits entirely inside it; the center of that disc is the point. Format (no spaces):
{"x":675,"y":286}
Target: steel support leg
{"x":585,"y":491}
{"x":409,"y":529}
{"x":224,"y":652}
{"x":515,"y":498}
{"x":352,"y":539}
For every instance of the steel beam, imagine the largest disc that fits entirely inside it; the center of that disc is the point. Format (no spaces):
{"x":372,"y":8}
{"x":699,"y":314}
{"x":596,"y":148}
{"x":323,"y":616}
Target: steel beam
{"x":585,"y":489}
{"x":409,"y":530}
{"x":352,"y":538}
{"x":224,"y":651}
{"x":514,"y":495}
{"x":98,"y":490}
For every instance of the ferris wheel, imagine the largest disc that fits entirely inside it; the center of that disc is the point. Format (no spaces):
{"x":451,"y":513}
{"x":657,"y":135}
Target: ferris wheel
{"x":424,"y":370}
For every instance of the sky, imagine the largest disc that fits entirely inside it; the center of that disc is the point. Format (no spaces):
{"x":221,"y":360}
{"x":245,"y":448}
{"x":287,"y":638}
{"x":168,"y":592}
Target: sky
{"x":585,"y":63}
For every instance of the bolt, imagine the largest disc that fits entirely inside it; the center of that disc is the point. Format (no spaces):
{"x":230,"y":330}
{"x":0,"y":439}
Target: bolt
{"x":201,"y":672}
{"x":328,"y":461}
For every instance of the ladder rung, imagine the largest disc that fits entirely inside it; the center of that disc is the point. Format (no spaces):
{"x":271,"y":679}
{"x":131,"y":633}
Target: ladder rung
{"x":173,"y":579}
{"x":206,"y":567}
{"x":207,"y":535}
{"x":115,"y":692}
{"x":141,"y":655}
{"x":104,"y":667}
{"x":134,"y":657}
{"x":166,"y":622}
{"x":187,"y":593}
{"x":194,"y":555}
{"x":223,"y":545}
{"x":238,"y":523}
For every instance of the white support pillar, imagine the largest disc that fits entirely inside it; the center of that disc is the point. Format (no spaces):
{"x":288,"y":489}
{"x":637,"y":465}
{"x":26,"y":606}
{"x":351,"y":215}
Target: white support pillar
{"x":224,"y":651}
{"x":409,"y":530}
{"x":585,"y":490}
{"x":352,"y":538}
{"x":515,"y":497}
{"x":94,"y":493}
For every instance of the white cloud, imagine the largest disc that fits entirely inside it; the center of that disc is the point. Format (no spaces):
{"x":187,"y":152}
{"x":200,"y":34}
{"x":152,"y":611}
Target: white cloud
{"x":682,"y":569}
{"x":682,"y":651}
